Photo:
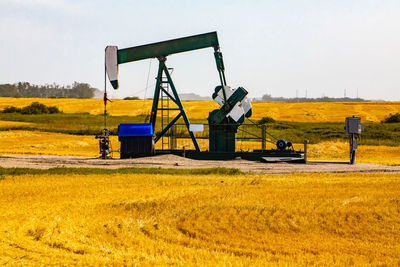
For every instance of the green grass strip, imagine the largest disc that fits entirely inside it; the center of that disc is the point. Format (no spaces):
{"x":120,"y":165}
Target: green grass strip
{"x":135,"y":170}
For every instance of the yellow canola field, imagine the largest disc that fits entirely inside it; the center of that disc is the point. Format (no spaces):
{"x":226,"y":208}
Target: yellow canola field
{"x":44,"y":143}
{"x":158,"y":220}
{"x":7,"y":124}
{"x":300,"y":112}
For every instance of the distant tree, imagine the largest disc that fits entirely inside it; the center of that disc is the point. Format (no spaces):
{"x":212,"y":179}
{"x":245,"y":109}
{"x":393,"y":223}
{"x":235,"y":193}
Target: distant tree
{"x":267,"y":97}
{"x":25,"y":89}
{"x":82,"y":90}
{"x":270,"y":98}
{"x":11,"y":109}
{"x":131,"y":98}
{"x":9,"y":90}
{"x":392,"y":118}
{"x":266,"y":120}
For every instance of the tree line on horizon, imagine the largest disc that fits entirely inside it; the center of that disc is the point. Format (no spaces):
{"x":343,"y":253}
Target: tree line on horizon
{"x":269,"y":98}
{"x":85,"y":90}
{"x":25,"y":89}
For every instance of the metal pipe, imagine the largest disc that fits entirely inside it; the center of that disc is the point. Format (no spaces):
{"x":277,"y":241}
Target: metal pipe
{"x":305,"y":150}
{"x":263,"y":137}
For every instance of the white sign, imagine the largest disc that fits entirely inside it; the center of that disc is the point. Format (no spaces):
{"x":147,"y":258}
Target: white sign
{"x":196,"y":127}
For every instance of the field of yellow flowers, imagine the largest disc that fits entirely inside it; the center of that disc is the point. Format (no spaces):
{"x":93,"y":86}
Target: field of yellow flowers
{"x":299,"y":112}
{"x":94,"y":218}
{"x":36,"y":142}
{"x":214,"y":220}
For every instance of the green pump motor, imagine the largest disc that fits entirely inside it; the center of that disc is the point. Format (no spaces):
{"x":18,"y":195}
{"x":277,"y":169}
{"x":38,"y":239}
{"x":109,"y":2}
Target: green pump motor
{"x":225,"y":121}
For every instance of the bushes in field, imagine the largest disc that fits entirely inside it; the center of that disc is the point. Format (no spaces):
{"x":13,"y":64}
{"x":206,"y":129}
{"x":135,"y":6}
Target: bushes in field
{"x":266,"y":120}
{"x":131,"y":98}
{"x":11,"y":109}
{"x":34,"y":108}
{"x":392,"y":118}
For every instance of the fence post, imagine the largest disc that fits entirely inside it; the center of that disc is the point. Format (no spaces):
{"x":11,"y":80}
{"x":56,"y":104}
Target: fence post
{"x":173,"y":137}
{"x":305,"y":150}
{"x":263,"y":136}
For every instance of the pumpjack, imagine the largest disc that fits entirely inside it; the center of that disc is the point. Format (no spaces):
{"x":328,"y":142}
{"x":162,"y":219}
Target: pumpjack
{"x":223,"y":123}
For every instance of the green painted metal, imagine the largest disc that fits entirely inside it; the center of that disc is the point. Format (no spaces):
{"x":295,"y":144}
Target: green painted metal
{"x":222,"y":130}
{"x":170,"y":97}
{"x":114,"y":84}
{"x":219,"y":115}
{"x":256,"y":155}
{"x":222,"y":138}
{"x":167,"y":127}
{"x":163,"y":49}
{"x":162,"y":68}
{"x":221,"y":69}
{"x":156,"y":97}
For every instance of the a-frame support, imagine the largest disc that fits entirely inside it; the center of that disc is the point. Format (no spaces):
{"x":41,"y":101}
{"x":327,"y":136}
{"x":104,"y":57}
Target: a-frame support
{"x":162,"y":68}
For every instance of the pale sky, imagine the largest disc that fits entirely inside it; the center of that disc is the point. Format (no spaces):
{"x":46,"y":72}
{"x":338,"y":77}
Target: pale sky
{"x":322,"y":47}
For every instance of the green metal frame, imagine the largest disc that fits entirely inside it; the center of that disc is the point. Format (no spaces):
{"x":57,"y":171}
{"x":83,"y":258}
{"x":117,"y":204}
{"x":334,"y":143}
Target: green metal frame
{"x":162,"y":68}
{"x":160,"y":51}
{"x":163,"y":49}
{"x":180,"y":45}
{"x":256,"y":155}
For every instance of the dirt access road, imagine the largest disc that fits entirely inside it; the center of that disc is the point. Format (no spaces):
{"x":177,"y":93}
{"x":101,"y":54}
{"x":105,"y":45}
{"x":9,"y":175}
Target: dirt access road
{"x":172,"y":161}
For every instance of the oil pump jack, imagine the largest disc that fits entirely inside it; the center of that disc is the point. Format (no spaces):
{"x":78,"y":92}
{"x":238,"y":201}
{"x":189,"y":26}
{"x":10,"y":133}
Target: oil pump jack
{"x":139,"y":139}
